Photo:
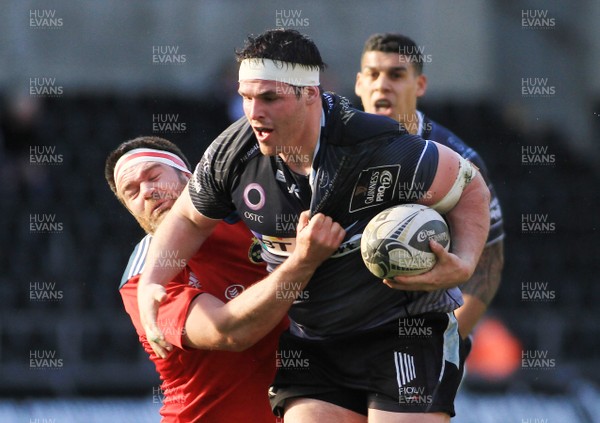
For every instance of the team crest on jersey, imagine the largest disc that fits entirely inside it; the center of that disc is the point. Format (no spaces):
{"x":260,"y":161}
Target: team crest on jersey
{"x":255,"y":252}
{"x":233,"y":291}
{"x":323,"y":179}
{"x":375,"y":186}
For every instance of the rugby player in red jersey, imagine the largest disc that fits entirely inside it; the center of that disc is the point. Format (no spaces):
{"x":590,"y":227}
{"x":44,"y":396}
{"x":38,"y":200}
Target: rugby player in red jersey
{"x":222,"y":325}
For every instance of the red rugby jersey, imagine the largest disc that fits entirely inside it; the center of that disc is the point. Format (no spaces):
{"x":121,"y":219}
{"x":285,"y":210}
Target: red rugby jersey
{"x":203,"y":385}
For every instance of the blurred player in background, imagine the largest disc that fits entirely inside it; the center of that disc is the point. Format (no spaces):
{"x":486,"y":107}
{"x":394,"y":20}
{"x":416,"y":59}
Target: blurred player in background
{"x":390,"y":82}
{"x":300,"y":148}
{"x":222,"y":352}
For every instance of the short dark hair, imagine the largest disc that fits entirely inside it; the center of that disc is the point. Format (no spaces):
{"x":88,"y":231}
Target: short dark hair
{"x":285,"y":45}
{"x":396,"y":43}
{"x":139,"y":142}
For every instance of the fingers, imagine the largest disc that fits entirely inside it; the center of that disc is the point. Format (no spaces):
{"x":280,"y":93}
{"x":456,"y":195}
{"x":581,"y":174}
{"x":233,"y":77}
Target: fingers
{"x":410,"y":283}
{"x":338,"y":233}
{"x":425,"y":281}
{"x":437,"y":249}
{"x":449,"y":271}
{"x":318,"y":239}
{"x":157,"y":341}
{"x":322,"y":222}
{"x":332,"y":232}
{"x":318,"y":220}
{"x":303,"y":220}
{"x":149,"y":298}
{"x":160,"y":294}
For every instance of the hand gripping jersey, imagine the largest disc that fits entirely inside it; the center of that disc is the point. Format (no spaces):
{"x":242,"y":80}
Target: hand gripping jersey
{"x":364,"y":164}
{"x":431,"y":130}
{"x":203,"y":385}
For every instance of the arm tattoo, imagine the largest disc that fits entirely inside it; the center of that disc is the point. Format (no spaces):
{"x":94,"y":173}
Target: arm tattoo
{"x":486,"y":278}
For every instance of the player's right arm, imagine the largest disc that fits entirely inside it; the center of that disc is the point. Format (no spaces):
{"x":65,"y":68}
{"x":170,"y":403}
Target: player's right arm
{"x":464,"y":199}
{"x":179,"y":235}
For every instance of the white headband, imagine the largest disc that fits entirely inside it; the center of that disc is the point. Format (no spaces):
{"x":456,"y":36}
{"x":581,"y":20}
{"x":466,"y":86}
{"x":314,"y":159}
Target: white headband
{"x":269,"y":70}
{"x":140,"y":155}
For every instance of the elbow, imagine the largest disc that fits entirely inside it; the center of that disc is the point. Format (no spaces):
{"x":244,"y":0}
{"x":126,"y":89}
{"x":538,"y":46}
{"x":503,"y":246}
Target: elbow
{"x":235,"y":343}
{"x":233,"y":337}
{"x":222,"y":342}
{"x":482,"y":189}
{"x":487,"y":196}
{"x":216,"y":339}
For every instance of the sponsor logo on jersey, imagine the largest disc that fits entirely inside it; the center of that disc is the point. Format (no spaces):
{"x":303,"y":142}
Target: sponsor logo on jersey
{"x":278,"y":246}
{"x":254,"y":217}
{"x":233,"y":291}
{"x":329,"y":99}
{"x":254,"y":196}
{"x":375,"y":186}
{"x":250,"y":153}
{"x":193,"y":281}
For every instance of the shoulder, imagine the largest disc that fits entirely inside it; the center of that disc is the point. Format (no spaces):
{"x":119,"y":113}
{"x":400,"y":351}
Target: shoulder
{"x":136,"y":260}
{"x":347,"y":126}
{"x":440,"y":134}
{"x":236,"y":144}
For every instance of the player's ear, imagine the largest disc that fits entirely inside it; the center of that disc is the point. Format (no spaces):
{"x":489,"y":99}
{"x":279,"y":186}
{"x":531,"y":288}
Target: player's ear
{"x":421,"y":85}
{"x":312,"y":94}
{"x":358,"y":84}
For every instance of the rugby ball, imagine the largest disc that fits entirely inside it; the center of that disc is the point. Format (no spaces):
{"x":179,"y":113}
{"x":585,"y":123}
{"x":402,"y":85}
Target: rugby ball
{"x":396,"y":241}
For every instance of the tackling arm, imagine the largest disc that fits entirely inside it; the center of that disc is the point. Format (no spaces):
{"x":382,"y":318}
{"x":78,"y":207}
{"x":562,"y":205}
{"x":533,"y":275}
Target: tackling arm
{"x":181,"y":233}
{"x":240,"y":323}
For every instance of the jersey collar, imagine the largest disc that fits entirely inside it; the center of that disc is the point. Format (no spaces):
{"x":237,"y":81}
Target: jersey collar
{"x":420,"y":116}
{"x":313,"y":172}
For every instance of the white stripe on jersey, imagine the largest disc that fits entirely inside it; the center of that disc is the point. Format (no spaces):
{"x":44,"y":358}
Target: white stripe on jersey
{"x":451,"y":343}
{"x":412,"y":184}
{"x":140,"y":257}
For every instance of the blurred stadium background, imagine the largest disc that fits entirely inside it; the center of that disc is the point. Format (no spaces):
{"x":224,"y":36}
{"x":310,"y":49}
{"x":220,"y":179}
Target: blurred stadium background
{"x":78,"y":78}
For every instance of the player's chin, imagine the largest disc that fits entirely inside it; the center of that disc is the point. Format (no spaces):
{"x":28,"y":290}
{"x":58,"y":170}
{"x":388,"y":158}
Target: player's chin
{"x":161,"y":214}
{"x":268,"y":150}
{"x":156,"y":219}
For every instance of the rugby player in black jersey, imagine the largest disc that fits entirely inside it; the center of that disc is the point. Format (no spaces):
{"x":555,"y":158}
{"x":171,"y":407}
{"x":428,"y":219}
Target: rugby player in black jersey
{"x":299,"y":148}
{"x":390,"y":82}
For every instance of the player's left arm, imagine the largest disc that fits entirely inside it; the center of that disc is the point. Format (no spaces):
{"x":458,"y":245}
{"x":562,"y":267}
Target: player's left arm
{"x":479,"y":291}
{"x":460,"y":192}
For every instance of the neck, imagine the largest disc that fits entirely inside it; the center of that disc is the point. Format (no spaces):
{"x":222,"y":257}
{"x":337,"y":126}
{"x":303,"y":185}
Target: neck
{"x":411,"y":122}
{"x":299,"y":158}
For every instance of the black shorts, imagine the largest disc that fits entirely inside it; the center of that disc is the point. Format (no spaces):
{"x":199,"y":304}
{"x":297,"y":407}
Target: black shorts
{"x":411,"y":365}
